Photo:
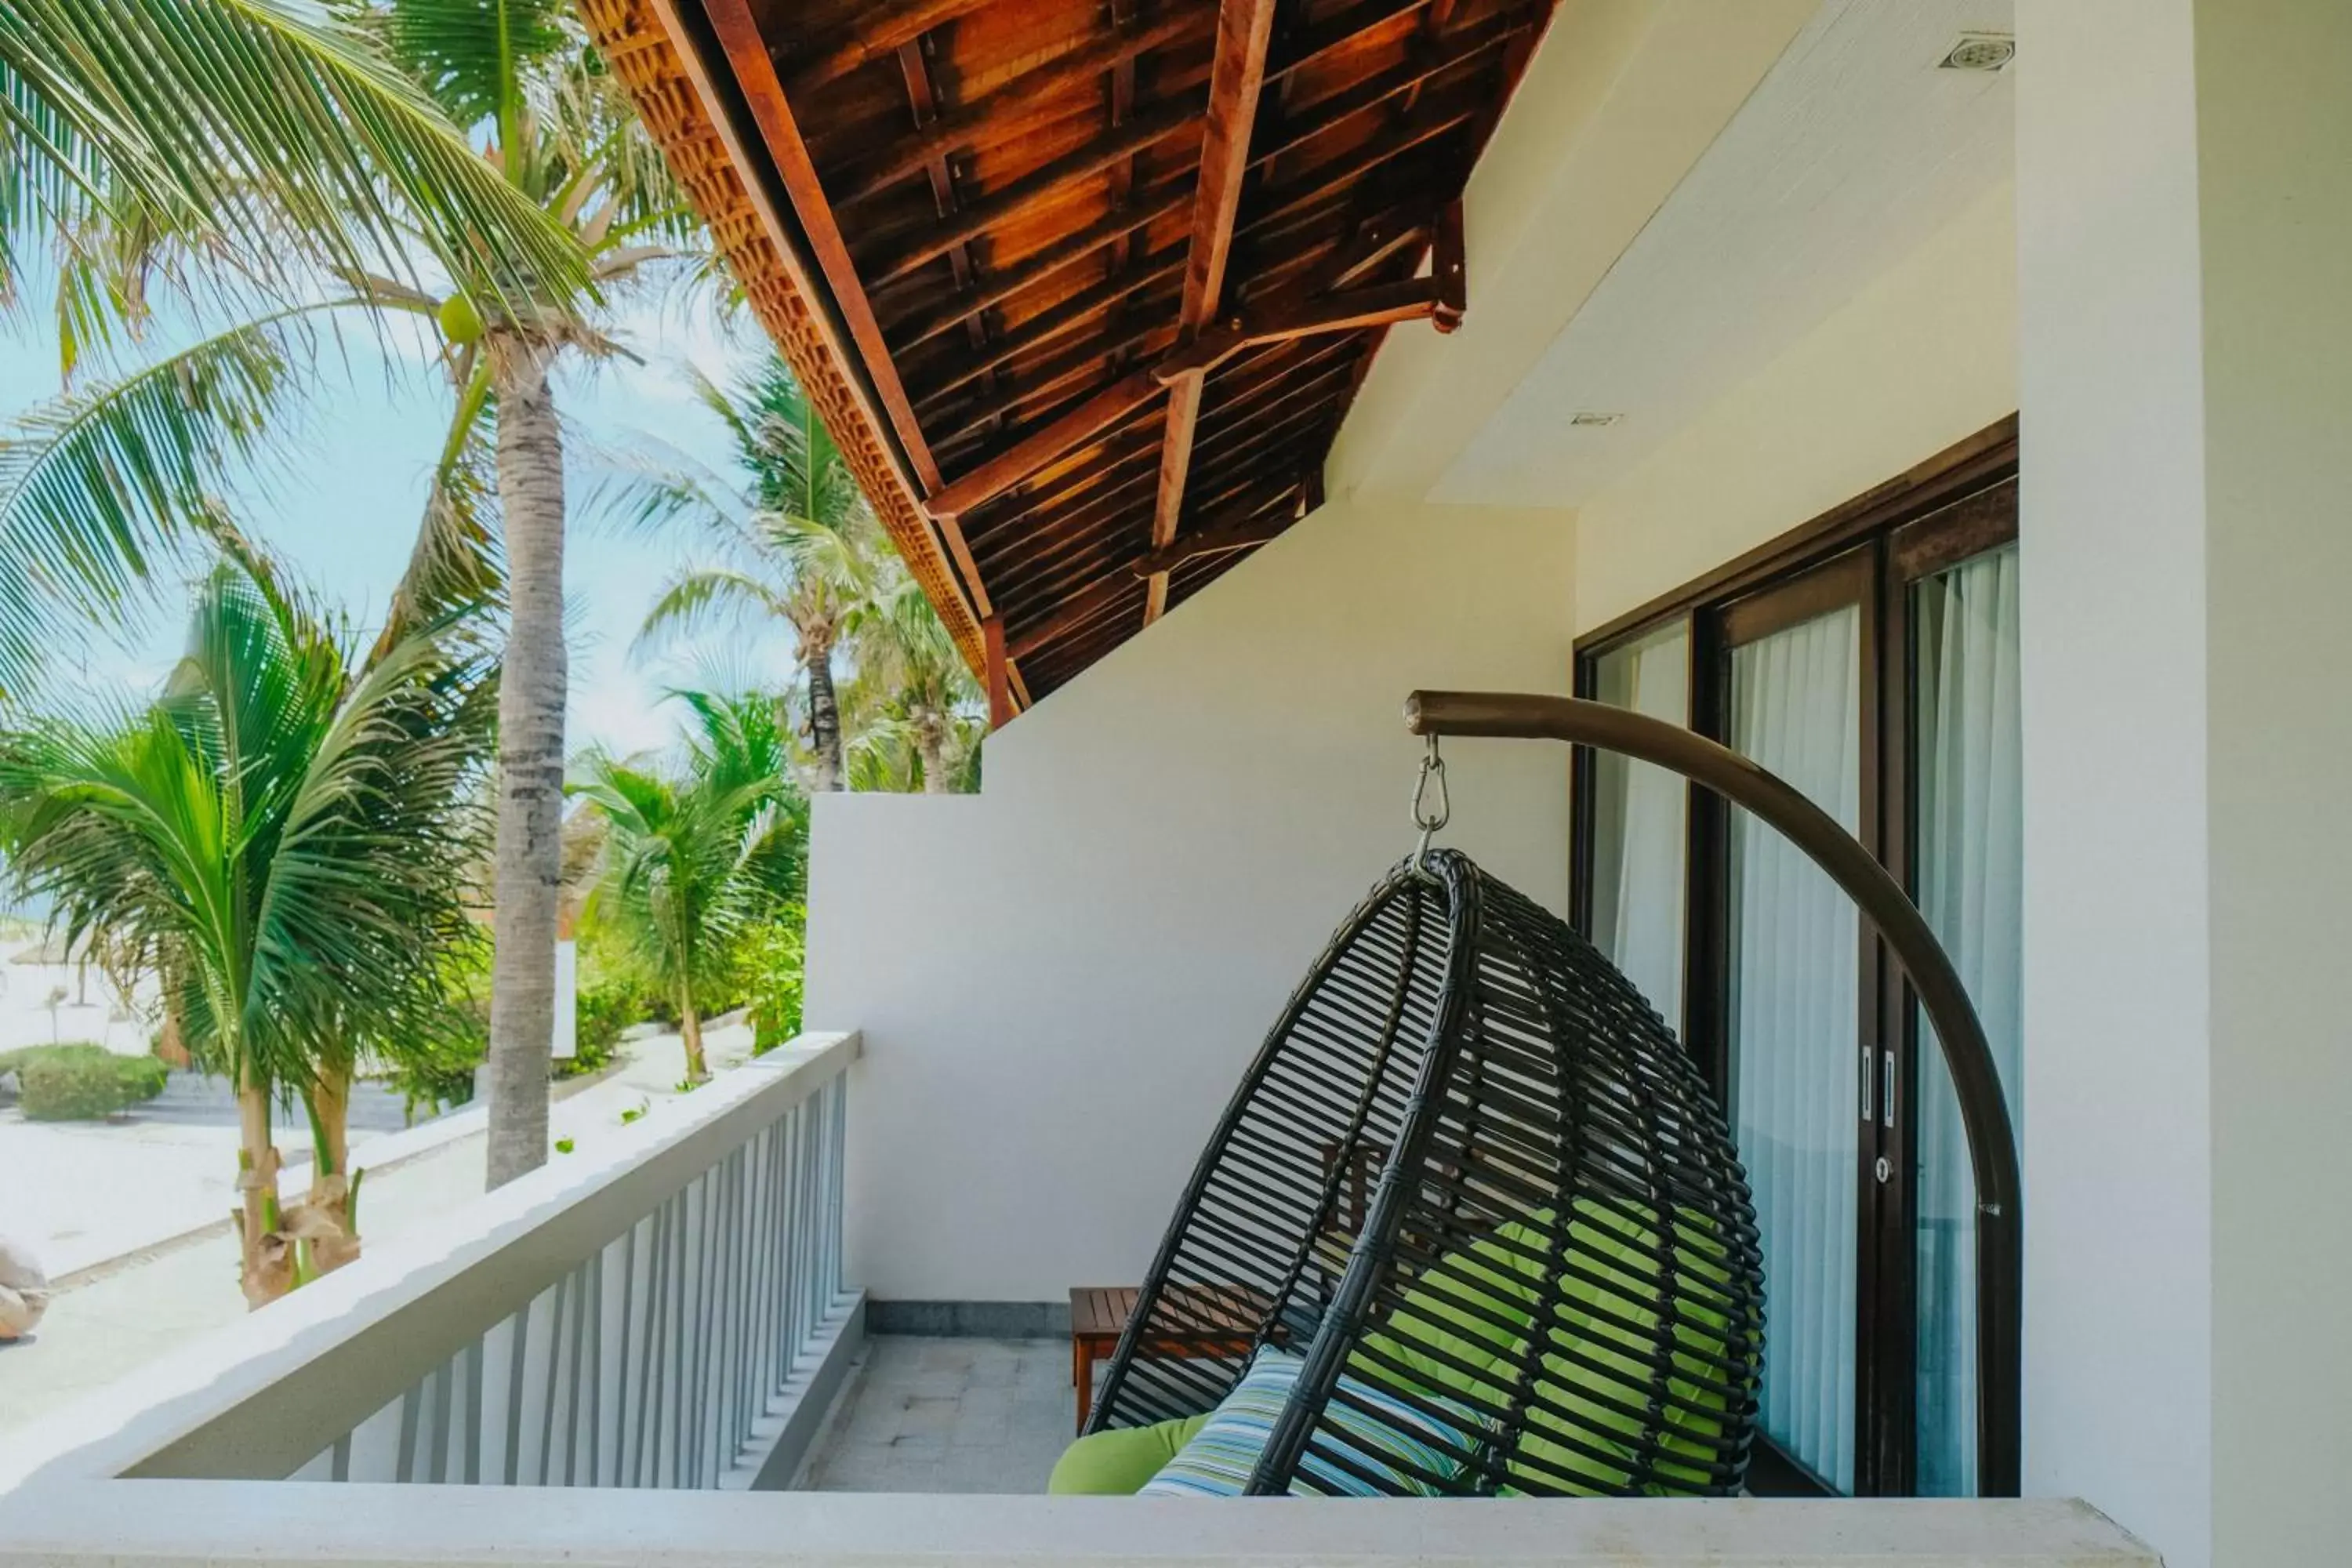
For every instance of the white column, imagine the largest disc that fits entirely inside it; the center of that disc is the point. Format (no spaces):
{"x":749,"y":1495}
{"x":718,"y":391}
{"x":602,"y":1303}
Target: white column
{"x":2274,"y":151}
{"x":2184,"y":213}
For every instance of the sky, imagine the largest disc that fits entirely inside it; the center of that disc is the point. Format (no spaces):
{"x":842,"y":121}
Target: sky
{"x":342,"y":508}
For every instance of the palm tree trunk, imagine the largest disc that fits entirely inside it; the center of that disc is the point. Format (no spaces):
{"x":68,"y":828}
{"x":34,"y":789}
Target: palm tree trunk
{"x":931,"y":746}
{"x":689,"y":1029}
{"x":330,"y":1221}
{"x":265,"y":1259}
{"x":531,"y":689}
{"x":826,"y":771}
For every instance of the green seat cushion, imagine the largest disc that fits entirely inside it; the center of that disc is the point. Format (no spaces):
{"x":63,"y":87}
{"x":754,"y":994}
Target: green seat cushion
{"x":1117,"y":1462}
{"x":1368,"y":1443}
{"x":1463,"y":1330}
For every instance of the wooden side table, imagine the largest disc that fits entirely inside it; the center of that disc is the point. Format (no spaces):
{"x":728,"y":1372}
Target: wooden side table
{"x":1220,"y":1323}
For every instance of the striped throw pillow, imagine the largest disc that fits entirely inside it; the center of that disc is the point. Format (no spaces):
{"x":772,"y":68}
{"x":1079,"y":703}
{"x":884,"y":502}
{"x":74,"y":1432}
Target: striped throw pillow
{"x":1396,"y":1445}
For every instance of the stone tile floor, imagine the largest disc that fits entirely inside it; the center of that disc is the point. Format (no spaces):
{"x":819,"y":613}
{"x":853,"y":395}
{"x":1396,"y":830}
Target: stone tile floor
{"x":947,"y":1415}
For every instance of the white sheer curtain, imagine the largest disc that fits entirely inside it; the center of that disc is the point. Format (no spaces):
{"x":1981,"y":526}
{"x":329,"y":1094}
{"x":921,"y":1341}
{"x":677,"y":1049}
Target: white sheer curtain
{"x":1970,"y":859}
{"x":1795,"y":708}
{"x":1638,"y":837}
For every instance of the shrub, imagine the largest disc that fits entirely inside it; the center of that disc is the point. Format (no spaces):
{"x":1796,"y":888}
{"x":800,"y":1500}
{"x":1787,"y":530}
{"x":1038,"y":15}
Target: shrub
{"x":603,"y":1004}
{"x":769,"y":967}
{"x":82,"y":1082}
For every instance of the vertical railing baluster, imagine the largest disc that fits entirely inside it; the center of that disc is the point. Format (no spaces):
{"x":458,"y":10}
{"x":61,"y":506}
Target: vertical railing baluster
{"x":653,"y":1360}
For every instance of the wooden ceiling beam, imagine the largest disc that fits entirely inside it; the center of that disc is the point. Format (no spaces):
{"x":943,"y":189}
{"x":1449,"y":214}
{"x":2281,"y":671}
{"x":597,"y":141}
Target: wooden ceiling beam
{"x":1074,"y":613}
{"x":1065,"y":374}
{"x":1219,"y":539}
{"x":1335,"y":33}
{"x":1261,"y":399}
{"x":1234,"y":460}
{"x":1037,"y":552}
{"x":1379,"y":305}
{"x":874,"y":33}
{"x":1031,"y":452}
{"x":1323,"y":183}
{"x":1182,"y":371}
{"x":996,"y":115}
{"x":1426,"y":59}
{"x":1357,"y":311}
{"x":1076,"y":558}
{"x":1268,"y":459}
{"x":1237,"y":78}
{"x":1040,"y":185}
{"x":1127,"y":456}
{"x":1108,"y":230}
{"x":1056,"y":321}
{"x":923,"y":104}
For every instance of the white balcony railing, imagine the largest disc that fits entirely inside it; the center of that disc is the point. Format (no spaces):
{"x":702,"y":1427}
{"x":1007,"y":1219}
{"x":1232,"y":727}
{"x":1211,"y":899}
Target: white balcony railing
{"x":664,"y":1310}
{"x":668,"y":1311}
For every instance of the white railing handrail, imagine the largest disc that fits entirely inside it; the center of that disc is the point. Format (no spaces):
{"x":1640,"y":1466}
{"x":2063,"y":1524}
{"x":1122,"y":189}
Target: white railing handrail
{"x":264,"y":1396}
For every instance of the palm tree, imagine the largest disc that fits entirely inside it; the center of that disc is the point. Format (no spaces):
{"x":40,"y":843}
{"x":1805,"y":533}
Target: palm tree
{"x":693,"y":860}
{"x":239,"y":156}
{"x":562,"y":135}
{"x":272,"y":837}
{"x":109,"y":471}
{"x":790,"y":540}
{"x":917,"y":707}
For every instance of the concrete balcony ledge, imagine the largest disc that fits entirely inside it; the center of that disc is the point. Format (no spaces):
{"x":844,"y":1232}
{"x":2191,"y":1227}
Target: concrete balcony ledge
{"x":170,"y":1524}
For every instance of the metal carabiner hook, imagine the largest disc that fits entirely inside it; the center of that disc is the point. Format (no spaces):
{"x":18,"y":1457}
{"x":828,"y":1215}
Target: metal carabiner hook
{"x":1427,"y":818}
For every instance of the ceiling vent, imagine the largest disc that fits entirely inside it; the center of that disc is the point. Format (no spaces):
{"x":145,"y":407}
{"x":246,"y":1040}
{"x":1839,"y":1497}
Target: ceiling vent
{"x":1980,"y":52}
{"x":1591,"y":421}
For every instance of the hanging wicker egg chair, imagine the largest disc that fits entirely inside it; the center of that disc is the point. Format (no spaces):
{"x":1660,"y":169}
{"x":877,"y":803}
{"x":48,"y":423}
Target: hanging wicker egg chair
{"x":1469,"y":1176}
{"x":1476,"y":1187}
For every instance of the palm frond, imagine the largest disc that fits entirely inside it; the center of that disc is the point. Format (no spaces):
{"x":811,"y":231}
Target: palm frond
{"x":474,"y":55}
{"x":95,"y":486}
{"x":273,"y":129}
{"x":704,"y":599}
{"x":456,"y":561}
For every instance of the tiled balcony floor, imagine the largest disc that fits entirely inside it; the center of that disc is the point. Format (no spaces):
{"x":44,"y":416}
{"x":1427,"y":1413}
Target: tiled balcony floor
{"x":947,"y":1415}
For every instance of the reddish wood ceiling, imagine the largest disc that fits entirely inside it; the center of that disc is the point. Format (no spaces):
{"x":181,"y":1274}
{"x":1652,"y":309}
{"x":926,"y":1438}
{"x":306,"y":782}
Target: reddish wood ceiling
{"x":1044,"y":224}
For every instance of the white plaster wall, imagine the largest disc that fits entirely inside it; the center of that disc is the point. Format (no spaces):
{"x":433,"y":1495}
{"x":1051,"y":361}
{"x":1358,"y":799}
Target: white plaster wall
{"x":1925,"y":356}
{"x":2274,"y":158}
{"x":2118,"y":1329}
{"x":1060,"y":980}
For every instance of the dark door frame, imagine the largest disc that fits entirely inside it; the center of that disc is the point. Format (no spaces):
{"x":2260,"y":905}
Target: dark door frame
{"x":1874,"y":551}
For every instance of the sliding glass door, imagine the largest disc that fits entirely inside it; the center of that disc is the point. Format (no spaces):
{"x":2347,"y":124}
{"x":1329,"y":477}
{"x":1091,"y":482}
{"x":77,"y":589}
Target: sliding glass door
{"x":1968,"y":859}
{"x":1635,"y":882}
{"x":1794,"y":704}
{"x":1876,"y":669}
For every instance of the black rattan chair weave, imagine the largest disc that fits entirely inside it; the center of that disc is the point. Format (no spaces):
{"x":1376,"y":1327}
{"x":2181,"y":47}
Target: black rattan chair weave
{"x":1472,"y":1169}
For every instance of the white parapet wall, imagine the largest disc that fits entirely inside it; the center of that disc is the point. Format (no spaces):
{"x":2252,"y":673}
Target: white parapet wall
{"x":666,"y":1311}
{"x":1060,"y":980}
{"x":184,"y":1525}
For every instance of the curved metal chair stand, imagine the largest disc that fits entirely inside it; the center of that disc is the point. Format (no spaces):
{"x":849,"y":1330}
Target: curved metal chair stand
{"x":1476,"y":1185}
{"x":1984,"y":1113}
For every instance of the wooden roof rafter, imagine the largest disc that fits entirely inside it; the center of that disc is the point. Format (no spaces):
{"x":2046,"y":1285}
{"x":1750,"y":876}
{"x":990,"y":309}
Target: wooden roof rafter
{"x":1102,"y":275}
{"x":1236,"y":78}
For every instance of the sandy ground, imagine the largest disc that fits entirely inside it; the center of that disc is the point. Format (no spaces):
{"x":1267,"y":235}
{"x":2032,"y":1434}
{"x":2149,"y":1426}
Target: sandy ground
{"x":127,"y":1316}
{"x":74,"y":1192}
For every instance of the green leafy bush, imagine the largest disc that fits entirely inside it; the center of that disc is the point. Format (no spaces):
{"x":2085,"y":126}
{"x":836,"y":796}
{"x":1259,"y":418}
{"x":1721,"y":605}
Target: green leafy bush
{"x":770,"y":968}
{"x":434,"y":1071}
{"x":601,"y":1006}
{"x":81,"y":1082}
